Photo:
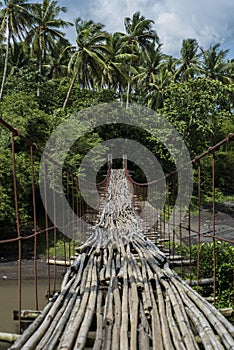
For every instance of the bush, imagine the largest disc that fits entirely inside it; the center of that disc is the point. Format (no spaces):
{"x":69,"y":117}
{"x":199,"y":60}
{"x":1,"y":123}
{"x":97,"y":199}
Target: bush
{"x":224,"y":254}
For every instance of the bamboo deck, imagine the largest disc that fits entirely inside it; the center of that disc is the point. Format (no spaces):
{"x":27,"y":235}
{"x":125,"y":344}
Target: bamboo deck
{"x":120,"y":293}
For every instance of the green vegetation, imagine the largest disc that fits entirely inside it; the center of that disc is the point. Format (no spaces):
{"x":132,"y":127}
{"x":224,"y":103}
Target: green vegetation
{"x":44,"y":79}
{"x":224,"y":258}
{"x":61,"y":248}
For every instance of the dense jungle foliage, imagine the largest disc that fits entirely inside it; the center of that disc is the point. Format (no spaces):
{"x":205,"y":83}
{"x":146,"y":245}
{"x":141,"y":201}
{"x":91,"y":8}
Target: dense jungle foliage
{"x":45,"y":79}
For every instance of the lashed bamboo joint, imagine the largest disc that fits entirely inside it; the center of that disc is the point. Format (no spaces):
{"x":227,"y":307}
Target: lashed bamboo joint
{"x":121,"y":294}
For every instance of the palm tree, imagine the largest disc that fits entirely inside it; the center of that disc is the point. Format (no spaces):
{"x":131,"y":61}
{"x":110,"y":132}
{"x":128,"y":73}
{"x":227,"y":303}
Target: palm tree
{"x":151,"y":61}
{"x":89,"y":57}
{"x":157,"y":88}
{"x":19,"y":57}
{"x":15,"y":22}
{"x":214,"y":64}
{"x":189,"y":62}
{"x":45,"y":31}
{"x":170,"y":64}
{"x":139,"y":31}
{"x":115,"y":72}
{"x":57,"y":61}
{"x":153,"y":76}
{"x":230,"y":70}
{"x":139,"y":35}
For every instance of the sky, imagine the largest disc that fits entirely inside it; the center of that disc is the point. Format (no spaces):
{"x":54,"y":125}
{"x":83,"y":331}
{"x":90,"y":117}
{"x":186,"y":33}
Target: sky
{"x":207,"y":21}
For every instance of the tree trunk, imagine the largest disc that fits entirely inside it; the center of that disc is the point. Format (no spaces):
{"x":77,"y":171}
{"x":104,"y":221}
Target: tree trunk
{"x":6,"y":60}
{"x":128,"y":91}
{"x":69,"y":91}
{"x":39,"y":66}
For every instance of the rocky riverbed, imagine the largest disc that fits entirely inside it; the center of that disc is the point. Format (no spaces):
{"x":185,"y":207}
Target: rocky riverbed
{"x":224,"y":226}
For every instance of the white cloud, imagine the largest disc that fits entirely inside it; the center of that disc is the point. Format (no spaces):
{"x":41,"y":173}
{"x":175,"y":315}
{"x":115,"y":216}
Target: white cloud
{"x":172,"y":30}
{"x":209,"y":21}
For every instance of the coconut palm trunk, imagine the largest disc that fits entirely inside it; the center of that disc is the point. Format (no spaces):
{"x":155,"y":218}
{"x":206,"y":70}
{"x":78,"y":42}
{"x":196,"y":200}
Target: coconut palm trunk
{"x":128,"y":90}
{"x":39,"y":63}
{"x":4,"y":76}
{"x":89,"y":58}
{"x":69,"y":91}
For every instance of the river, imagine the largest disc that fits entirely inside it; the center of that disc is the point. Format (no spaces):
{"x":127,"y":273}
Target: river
{"x":9,"y":293}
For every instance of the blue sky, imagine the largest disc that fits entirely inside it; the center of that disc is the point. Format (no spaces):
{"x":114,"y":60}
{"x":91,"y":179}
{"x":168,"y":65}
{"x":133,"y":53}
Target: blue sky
{"x":208,"y":21}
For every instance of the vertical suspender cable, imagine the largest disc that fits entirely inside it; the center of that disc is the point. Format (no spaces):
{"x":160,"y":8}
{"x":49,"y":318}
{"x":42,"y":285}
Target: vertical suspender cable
{"x":34,"y":227}
{"x":55,"y":239}
{"x":18,"y":231}
{"x":47,"y":229}
{"x":213,"y":224}
{"x":199,"y":222}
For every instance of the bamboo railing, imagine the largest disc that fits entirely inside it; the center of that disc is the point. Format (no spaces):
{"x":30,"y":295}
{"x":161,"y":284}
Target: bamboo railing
{"x":120,"y":293}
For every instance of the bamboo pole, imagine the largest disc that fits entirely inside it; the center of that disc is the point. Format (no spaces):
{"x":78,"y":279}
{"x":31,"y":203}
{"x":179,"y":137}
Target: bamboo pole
{"x":182,"y":319}
{"x":143,"y":338}
{"x":124,"y":324}
{"x":26,"y":314}
{"x":33,"y":327}
{"x":176,"y":335}
{"x":224,"y":328}
{"x":54,"y":338}
{"x":48,"y":334}
{"x":156,"y":325}
{"x":205,"y":332}
{"x":99,"y":315}
{"x":108,"y":318}
{"x":30,"y":338}
{"x":199,"y":317}
{"x":133,"y":304}
{"x":146,"y":299}
{"x":8,"y":337}
{"x":117,"y":315}
{"x":167,"y":342}
{"x":71,"y":333}
{"x":83,"y":331}
{"x":109,"y":265}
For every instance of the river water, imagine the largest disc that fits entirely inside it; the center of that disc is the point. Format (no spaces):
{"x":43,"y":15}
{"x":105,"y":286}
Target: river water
{"x":9,"y":294}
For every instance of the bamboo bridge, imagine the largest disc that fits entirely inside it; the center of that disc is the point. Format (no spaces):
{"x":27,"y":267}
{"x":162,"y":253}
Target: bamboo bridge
{"x":120,"y":291}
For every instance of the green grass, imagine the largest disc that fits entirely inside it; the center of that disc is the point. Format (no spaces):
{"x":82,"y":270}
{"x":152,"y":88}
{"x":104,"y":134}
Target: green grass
{"x":61,"y":249}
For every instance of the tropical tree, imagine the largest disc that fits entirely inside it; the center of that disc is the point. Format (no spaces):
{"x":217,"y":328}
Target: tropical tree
{"x":157,"y":87}
{"x":15,"y":22}
{"x":189,"y":61}
{"x":89,"y":57}
{"x":139,"y":35}
{"x":19,"y":57}
{"x":170,"y":64}
{"x":198,"y":109}
{"x":57,"y":61}
{"x":230,"y":70}
{"x":150,"y":64}
{"x":45,"y":31}
{"x":115,"y":73}
{"x":214,"y":64}
{"x":139,"y":32}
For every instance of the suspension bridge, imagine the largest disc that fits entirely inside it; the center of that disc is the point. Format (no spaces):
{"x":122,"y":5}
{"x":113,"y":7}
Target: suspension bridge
{"x":121,"y":290}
